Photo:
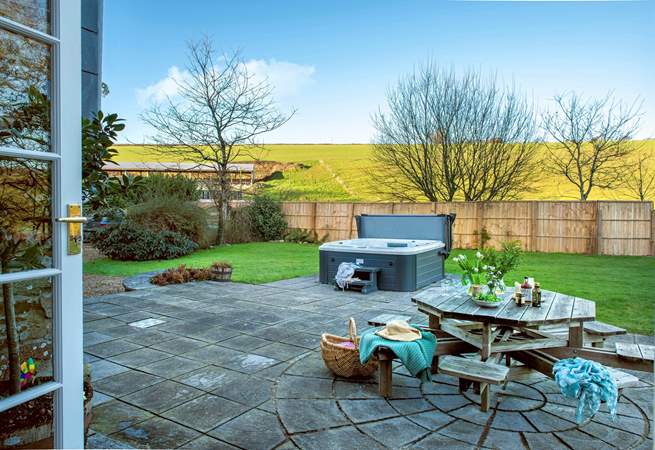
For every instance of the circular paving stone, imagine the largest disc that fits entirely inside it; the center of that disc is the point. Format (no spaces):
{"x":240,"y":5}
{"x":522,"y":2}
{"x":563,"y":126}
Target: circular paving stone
{"x":313,"y":405}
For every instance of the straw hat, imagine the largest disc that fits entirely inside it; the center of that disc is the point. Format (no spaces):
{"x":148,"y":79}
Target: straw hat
{"x":399,"y":330}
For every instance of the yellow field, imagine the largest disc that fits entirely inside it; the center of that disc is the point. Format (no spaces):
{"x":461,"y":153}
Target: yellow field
{"x":342,"y":172}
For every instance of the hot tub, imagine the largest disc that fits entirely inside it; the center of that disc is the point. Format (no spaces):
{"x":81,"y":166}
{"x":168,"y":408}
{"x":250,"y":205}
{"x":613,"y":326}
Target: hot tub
{"x":409,"y":250}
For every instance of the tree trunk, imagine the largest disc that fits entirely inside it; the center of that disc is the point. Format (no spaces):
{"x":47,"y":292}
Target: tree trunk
{"x":12,"y":336}
{"x":223,"y":204}
{"x":220,"y":206}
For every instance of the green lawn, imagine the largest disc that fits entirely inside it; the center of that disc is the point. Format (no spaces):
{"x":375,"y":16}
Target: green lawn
{"x":621,"y":285}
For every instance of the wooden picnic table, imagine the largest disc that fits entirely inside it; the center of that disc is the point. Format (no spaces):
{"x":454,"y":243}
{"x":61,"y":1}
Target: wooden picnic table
{"x":507,"y":327}
{"x":535,"y":336}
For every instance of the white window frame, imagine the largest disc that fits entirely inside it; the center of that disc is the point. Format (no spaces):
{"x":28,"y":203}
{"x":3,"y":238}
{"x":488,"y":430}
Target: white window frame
{"x":65,"y":157}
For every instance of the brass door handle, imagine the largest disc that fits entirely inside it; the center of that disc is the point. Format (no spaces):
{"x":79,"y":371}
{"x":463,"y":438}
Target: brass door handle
{"x":72,"y":219}
{"x":74,"y":223}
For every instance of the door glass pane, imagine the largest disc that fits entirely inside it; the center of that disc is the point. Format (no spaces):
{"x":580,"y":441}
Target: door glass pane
{"x":24,"y":92}
{"x":25,"y":215}
{"x":32,"y":13}
{"x":25,"y":335}
{"x":28,"y":425}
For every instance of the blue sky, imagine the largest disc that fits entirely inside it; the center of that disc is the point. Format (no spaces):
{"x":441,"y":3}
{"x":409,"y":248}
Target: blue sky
{"x":334,"y":60}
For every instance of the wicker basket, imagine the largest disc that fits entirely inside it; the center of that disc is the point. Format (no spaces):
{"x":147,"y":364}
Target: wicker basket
{"x":345,"y":361}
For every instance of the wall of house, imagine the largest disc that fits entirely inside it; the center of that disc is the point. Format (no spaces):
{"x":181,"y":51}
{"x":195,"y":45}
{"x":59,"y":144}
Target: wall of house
{"x":91,"y":56}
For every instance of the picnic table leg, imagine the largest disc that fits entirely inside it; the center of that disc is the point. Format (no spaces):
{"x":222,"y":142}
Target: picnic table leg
{"x":485,"y":353}
{"x":434,"y":323}
{"x":385,"y":374}
{"x":576,"y":334}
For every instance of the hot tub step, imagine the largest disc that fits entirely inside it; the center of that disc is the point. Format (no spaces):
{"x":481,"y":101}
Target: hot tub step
{"x":366,"y":280}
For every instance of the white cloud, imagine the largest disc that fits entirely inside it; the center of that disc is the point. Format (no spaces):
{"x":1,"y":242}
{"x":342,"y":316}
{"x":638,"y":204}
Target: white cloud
{"x":286,"y":78}
{"x":159,"y":91}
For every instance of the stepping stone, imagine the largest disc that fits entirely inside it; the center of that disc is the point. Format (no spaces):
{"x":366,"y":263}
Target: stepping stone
{"x":337,"y":439}
{"x":463,"y":431}
{"x":308,"y":415}
{"x":94,"y":338}
{"x":162,"y":396}
{"x":254,"y":430}
{"x":206,"y":412}
{"x":156,"y":433}
{"x":138,"y":358}
{"x":511,"y":421}
{"x":366,"y":410}
{"x":436,"y":440}
{"x":502,"y":439}
{"x":544,"y":441}
{"x":102,"y":369}
{"x":395,"y":433}
{"x":172,"y":367}
{"x":125,"y":383}
{"x":116,"y":415}
{"x":302,"y":387}
{"x":208,"y":443}
{"x":411,"y":406}
{"x":179,"y":345}
{"x":112,"y":348}
{"x":245,"y":389}
{"x":208,"y":378}
{"x":431,"y":420}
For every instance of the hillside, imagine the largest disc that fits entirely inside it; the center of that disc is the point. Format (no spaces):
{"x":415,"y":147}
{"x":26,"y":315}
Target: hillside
{"x":342,"y":172}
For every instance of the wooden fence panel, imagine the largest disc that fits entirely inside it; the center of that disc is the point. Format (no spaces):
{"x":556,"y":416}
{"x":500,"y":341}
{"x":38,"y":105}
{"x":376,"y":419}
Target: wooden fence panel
{"x":603,"y":227}
{"x":625,"y":228}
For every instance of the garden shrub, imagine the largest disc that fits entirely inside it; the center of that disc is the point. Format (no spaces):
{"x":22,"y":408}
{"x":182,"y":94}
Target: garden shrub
{"x":131,"y":242}
{"x":267,"y":220}
{"x":166,"y":214}
{"x":184,"y":274}
{"x":300,"y":236}
{"x":181,"y":274}
{"x":238,"y":228}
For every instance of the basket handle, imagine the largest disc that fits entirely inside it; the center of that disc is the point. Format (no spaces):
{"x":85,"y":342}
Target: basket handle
{"x":352,"y":331}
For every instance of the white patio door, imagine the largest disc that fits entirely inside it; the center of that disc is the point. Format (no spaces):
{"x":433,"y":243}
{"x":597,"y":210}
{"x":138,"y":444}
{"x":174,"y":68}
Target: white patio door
{"x":41,"y":369}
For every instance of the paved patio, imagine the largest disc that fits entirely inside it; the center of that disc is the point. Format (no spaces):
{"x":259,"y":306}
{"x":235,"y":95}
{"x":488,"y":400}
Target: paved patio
{"x":226,"y":365}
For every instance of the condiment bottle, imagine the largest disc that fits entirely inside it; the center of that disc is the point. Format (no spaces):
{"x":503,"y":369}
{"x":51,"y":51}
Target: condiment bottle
{"x":536,"y":295}
{"x":518,"y":298}
{"x":526,"y":290}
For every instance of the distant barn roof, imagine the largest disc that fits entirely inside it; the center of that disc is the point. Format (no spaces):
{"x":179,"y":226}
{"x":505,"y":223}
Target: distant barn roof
{"x":174,"y":167}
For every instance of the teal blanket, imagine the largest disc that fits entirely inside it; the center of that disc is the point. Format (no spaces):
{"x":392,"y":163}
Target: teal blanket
{"x":416,"y":355}
{"x":589,"y":383}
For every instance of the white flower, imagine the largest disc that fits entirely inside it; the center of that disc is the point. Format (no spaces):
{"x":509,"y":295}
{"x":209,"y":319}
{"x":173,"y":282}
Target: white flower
{"x":492,"y":268}
{"x":485,"y":267}
{"x":479,"y":255}
{"x":475,"y":269}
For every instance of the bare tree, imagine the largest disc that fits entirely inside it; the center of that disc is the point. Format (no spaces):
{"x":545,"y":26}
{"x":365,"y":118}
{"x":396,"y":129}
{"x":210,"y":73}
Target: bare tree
{"x":219,"y":112}
{"x":639,"y":180}
{"x":447,"y":136}
{"x":591,"y":140}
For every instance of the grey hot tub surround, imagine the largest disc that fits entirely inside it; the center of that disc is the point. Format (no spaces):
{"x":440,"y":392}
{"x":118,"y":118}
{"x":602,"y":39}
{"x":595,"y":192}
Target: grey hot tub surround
{"x":410,"y":250}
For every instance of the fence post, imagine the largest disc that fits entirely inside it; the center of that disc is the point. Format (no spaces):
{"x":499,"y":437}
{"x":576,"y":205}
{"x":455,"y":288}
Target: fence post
{"x":314,"y":229}
{"x":596,"y":237}
{"x":351,"y":218}
{"x":534,"y":211}
{"x":480,"y":220}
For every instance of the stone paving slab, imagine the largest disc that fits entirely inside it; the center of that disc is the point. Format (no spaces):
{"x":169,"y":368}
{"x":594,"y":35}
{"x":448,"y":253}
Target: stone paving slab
{"x":238,"y":366}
